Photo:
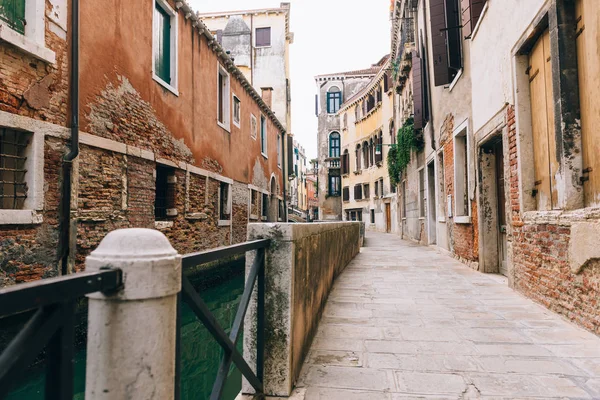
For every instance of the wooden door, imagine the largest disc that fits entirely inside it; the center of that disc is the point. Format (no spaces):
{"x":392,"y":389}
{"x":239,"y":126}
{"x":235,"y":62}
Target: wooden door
{"x":542,"y":116}
{"x":388,"y":218}
{"x":588,"y":60}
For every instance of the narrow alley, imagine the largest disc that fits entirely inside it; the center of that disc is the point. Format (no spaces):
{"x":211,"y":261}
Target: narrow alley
{"x":404,"y":321}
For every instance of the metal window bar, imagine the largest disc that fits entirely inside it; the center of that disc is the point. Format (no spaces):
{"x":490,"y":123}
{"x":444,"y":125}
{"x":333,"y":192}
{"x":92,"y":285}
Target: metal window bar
{"x":231,"y":355}
{"x":51,"y":327}
{"x":13,"y":188}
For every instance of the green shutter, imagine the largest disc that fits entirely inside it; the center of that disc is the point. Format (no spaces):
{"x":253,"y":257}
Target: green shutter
{"x":162,"y":56}
{"x":13,"y":13}
{"x":328,"y":99}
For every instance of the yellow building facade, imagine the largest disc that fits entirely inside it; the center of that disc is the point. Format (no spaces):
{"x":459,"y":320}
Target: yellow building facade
{"x":367,"y":133}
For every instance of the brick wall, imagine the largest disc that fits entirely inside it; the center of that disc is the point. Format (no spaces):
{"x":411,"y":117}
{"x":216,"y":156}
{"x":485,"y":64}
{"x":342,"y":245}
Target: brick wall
{"x":541,"y":261}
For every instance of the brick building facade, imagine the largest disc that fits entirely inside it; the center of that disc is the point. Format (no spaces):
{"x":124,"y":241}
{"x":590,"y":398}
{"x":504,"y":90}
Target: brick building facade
{"x":193,"y":151}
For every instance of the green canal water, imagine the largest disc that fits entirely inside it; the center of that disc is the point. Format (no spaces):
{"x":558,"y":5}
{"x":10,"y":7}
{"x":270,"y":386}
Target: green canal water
{"x":200,"y":354}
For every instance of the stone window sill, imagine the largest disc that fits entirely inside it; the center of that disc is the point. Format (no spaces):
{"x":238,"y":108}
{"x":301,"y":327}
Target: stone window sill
{"x":462,"y":220}
{"x":20,"y":217}
{"x":224,"y":222}
{"x":164,"y":84}
{"x":27,"y":45}
{"x":253,"y":217}
{"x":160,"y":225}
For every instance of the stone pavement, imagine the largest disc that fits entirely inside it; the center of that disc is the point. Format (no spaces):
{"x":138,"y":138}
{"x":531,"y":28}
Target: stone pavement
{"x":406,"y":322}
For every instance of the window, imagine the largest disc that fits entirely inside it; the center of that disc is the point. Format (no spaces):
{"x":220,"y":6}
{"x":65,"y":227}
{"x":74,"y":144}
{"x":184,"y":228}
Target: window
{"x":165,"y":191}
{"x":367,"y":190}
{"x":253,"y":126}
{"x":263,"y":135}
{"x":279,"y":153}
{"x":461,"y":174}
{"x":365,"y":149}
{"x":422,"y":193}
{"x":346,"y":194}
{"x":356,"y":113}
{"x":372,"y":216}
{"x":224,"y":201}
{"x":335,"y":183}
{"x":376,"y":189}
{"x":223,"y":102}
{"x":392,"y":132}
{"x":542,"y":123}
{"x":263,"y":37}
{"x":381,"y":188}
{"x":447,"y":46}
{"x":334,"y":100}
{"x":345,"y":163}
{"x":358,"y":194}
{"x":334,"y":145}
{"x":236,"y":111}
{"x":23,"y":24}
{"x":358,"y":157}
{"x":165,"y":45}
{"x":379,"y":148}
{"x":13,"y":156}
{"x":13,"y":13}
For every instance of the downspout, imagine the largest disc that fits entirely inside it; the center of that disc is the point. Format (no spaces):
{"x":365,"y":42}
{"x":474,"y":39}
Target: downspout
{"x":252,"y":49}
{"x":65,"y":201}
{"x":285,"y":177}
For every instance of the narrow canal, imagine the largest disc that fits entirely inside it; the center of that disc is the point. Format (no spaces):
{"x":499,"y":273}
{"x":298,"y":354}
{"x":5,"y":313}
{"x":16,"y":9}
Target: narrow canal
{"x":200,"y":354}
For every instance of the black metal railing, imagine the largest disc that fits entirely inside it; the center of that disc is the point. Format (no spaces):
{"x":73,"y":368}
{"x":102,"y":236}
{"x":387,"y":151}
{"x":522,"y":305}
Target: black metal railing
{"x":51,"y":327}
{"x":228,"y":343}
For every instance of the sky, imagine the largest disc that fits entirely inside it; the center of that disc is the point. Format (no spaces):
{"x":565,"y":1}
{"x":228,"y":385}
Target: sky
{"x":329,"y":36}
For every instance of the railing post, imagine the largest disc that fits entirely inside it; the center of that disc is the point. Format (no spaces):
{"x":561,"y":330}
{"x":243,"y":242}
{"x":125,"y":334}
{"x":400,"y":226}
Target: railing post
{"x":132,"y":333}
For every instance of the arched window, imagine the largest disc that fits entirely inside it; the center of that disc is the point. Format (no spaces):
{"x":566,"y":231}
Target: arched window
{"x":365,"y":148}
{"x":334,"y":145}
{"x":356,"y":113}
{"x":392,"y":132}
{"x":358,"y":156}
{"x":371,"y":153}
{"x":334,"y":99}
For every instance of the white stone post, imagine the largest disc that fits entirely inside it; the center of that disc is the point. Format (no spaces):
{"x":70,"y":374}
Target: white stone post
{"x":132,"y":334}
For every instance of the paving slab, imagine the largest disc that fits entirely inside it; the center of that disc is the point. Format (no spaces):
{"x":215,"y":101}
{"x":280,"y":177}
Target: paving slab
{"x":407,"y":322}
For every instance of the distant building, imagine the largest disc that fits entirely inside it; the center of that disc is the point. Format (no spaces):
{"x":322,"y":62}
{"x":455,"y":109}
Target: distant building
{"x":259,"y":43}
{"x":298,"y":200}
{"x":367,"y":135}
{"x":333,"y":91}
{"x":311,"y":195}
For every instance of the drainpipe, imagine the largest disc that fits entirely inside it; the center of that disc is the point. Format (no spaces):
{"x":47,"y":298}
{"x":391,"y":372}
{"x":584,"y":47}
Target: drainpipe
{"x":65,"y":201}
{"x":285,"y":177}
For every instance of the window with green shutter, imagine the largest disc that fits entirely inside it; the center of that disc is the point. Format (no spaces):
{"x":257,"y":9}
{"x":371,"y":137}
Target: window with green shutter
{"x":162,"y":48}
{"x":13,"y":13}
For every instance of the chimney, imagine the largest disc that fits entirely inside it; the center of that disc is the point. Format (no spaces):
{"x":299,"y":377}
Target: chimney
{"x":267,"y":95}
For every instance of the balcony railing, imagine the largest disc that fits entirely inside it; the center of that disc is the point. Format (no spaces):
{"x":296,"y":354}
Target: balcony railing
{"x":333,"y":162}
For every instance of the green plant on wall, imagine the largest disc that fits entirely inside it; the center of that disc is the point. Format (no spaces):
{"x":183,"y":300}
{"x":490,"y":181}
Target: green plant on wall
{"x":399,"y":154}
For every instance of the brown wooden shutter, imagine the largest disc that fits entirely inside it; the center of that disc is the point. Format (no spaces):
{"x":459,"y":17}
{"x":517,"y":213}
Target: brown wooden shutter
{"x":589,"y":95}
{"x":417,"y":81}
{"x":441,"y":72}
{"x":471,"y":11}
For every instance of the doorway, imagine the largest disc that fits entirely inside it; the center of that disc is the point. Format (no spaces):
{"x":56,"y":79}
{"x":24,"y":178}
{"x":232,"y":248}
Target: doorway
{"x":388,"y":218}
{"x":432,"y":206}
{"x":501,"y":201}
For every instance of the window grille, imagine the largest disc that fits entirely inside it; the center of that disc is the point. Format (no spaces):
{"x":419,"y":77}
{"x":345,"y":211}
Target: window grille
{"x":13,"y":187}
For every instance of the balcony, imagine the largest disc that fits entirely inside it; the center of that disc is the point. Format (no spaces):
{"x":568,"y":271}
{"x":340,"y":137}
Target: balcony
{"x":333,"y":162}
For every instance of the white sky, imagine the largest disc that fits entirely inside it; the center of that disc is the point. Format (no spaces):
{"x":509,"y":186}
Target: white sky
{"x":329,"y":36}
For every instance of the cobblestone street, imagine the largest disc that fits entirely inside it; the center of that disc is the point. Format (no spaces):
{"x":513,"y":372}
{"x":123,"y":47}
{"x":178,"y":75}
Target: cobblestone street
{"x":405,"y":321}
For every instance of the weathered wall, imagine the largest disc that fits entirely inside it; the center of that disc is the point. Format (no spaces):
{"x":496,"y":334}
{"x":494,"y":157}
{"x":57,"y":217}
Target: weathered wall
{"x":301,"y":266}
{"x":129,"y":124}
